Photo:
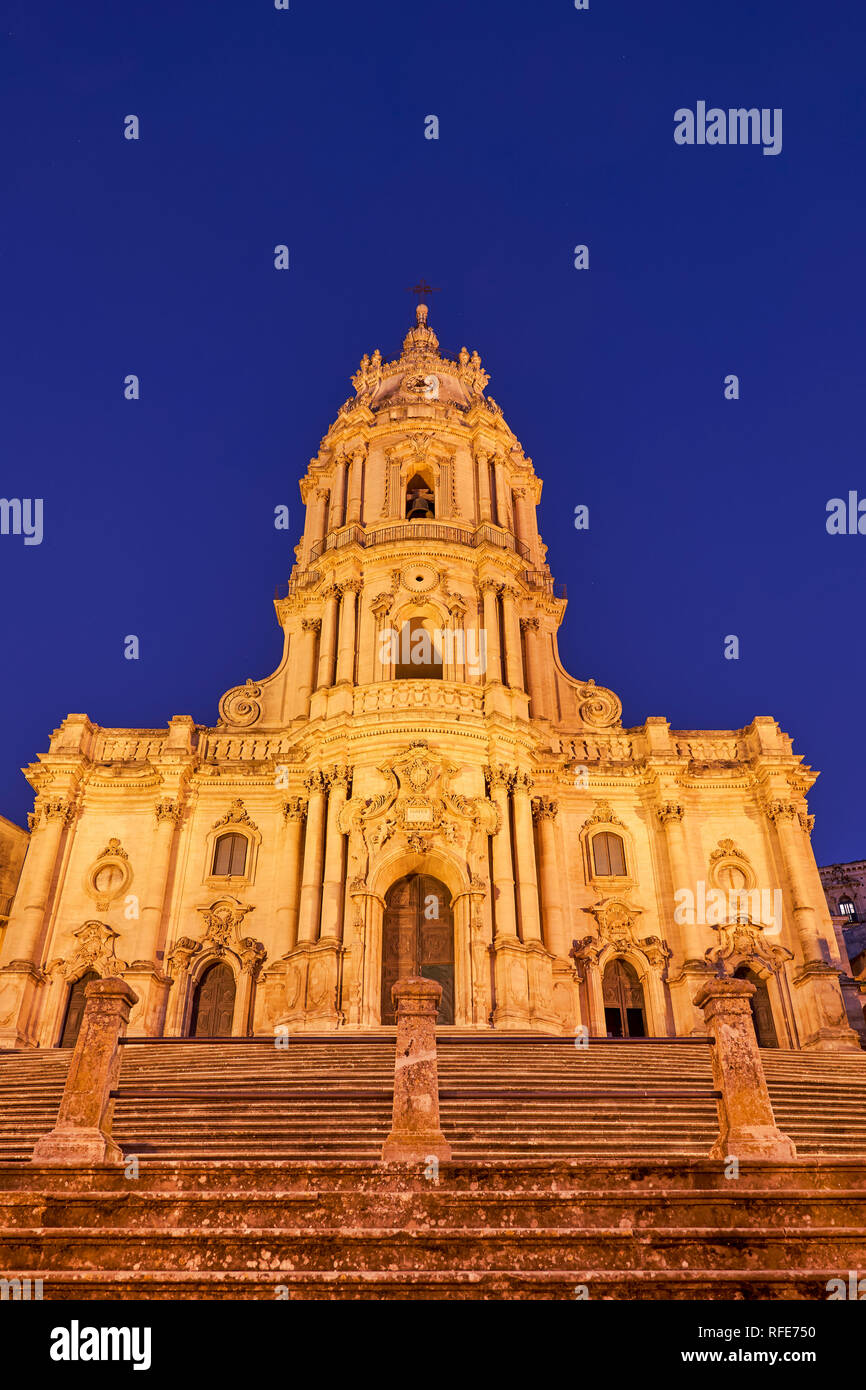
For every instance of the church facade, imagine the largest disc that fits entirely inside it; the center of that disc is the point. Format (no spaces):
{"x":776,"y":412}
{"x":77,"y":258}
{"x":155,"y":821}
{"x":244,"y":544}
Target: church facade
{"x":421,"y":787}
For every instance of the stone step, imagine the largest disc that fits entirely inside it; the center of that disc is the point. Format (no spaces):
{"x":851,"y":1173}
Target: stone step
{"x":438,"y":1209}
{"x":709,"y":1248}
{"x":409,"y":1285}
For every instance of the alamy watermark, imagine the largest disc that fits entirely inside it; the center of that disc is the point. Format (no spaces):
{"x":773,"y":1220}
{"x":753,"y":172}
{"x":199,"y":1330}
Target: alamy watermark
{"x":432,"y":648}
{"x":736,"y":126}
{"x":22,"y":516}
{"x":713,"y":907}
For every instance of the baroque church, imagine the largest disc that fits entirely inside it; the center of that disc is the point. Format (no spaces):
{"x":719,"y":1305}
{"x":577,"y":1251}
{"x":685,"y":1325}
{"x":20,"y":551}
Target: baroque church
{"x":422,"y":788}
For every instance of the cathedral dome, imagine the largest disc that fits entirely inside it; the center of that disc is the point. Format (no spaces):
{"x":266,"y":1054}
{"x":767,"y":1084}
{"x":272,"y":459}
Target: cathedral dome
{"x":420,"y":374}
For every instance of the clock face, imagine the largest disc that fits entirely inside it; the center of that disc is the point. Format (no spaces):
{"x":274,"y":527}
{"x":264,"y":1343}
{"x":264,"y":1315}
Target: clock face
{"x":420,"y":579}
{"x":423,"y":384}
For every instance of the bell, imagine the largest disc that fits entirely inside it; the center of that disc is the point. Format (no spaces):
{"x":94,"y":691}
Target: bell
{"x":420,"y":508}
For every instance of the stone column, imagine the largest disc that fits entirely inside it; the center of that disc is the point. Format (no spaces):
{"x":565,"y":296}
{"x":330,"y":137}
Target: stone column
{"x":490,"y":589}
{"x":817,"y":981}
{"x":525,"y":521}
{"x":415,"y":1133}
{"x":288,"y":887}
{"x":694,"y":939}
{"x":332,"y":892}
{"x":555,"y":935}
{"x":329,"y":639}
{"x":482,"y":463}
{"x":168,"y":814}
{"x":314,"y":529}
{"x":524,"y":844}
{"x":356,"y":473}
{"x":82,"y":1134}
{"x":503,"y":509}
{"x":534,"y":674}
{"x":310,"y":628}
{"x":338,"y":495}
{"x":790,"y":838}
{"x":504,"y":915}
{"x":367,"y":624}
{"x":27,"y":919}
{"x":747,"y":1125}
{"x":513,"y":657}
{"x":346,"y":659}
{"x":311,"y":886}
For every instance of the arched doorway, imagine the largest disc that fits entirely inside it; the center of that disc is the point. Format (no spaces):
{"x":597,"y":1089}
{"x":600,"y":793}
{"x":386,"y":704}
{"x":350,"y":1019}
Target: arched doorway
{"x":624,"y":1009}
{"x":762,"y":1009}
{"x":213,"y":1003}
{"x":75,"y":1010}
{"x":418,"y":939}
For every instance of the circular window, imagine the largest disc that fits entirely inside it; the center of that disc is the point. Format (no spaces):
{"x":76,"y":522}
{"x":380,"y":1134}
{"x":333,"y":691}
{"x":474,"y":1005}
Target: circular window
{"x":420,"y":578}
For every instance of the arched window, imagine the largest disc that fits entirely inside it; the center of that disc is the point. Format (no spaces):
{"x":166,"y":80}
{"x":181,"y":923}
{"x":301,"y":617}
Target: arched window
{"x":419,"y":654}
{"x":608,"y":855}
{"x":230,"y":855}
{"x":847,"y":909}
{"x":420,"y":499}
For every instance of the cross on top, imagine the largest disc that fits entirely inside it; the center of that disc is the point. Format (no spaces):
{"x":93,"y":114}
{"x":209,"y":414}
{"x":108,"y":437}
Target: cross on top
{"x":423,"y":290}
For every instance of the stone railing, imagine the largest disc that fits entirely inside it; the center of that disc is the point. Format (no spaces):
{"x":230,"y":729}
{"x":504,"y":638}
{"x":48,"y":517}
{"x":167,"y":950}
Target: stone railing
{"x":486,"y":534}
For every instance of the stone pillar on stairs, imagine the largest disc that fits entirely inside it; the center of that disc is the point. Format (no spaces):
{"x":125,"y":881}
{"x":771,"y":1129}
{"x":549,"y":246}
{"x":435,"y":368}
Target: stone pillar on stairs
{"x":82,"y":1134}
{"x":415,"y":1132}
{"x":747,"y":1125}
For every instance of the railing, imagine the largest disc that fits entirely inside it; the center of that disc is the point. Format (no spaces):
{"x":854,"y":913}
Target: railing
{"x":540,"y":579}
{"x":486,"y":534}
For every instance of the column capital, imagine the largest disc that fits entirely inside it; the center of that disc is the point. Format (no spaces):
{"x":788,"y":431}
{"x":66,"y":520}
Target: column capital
{"x":498,"y":777}
{"x":778,"y":811}
{"x":168,"y":810}
{"x":669,"y":812}
{"x":338,"y":775}
{"x":350,"y":586}
{"x":294,"y":809}
{"x":490,"y":586}
{"x":50,"y":807}
{"x":530,"y":624}
{"x":315,"y":782}
{"x":522,"y":782}
{"x":544,"y":808}
{"x":311,"y":624}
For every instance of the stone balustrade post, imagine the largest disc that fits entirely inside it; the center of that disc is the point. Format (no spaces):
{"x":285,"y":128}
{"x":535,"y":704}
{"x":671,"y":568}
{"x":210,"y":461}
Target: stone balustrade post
{"x":747,"y":1125}
{"x":82,"y":1134}
{"x":415,"y":1134}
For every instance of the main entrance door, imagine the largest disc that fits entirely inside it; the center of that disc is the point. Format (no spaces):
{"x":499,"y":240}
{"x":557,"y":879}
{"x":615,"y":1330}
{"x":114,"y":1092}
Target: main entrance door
{"x":762,"y":1009}
{"x":624,"y":1013}
{"x":213,"y":1004}
{"x":418,"y":939}
{"x":75,"y":1010}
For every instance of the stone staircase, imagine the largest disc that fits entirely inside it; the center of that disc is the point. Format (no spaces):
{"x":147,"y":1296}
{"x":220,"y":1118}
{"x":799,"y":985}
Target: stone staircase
{"x":331,"y":1098}
{"x":486,"y":1230}
{"x":555,"y":1186}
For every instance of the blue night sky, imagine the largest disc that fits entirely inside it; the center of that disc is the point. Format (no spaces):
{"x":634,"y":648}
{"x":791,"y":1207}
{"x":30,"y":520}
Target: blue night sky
{"x":306,"y":127}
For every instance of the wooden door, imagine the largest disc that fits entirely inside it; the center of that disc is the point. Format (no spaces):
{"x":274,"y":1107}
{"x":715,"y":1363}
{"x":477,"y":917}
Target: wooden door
{"x":75,"y":1010}
{"x":418,"y":939}
{"x":762,"y":1009}
{"x":624,"y":1014}
{"x":213,"y":1005}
